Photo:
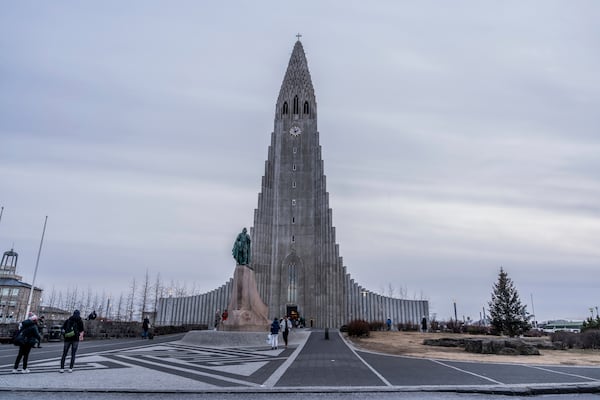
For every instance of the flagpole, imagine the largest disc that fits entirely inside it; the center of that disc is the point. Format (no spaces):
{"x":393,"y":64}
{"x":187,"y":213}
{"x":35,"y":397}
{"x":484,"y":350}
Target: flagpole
{"x":37,"y":262}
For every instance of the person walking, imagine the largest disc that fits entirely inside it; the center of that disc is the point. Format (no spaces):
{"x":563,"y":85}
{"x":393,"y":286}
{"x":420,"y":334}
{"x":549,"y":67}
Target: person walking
{"x":285,"y":329}
{"x":27,"y":338}
{"x":41,"y":323}
{"x":275,"y":334}
{"x":217,"y":319}
{"x":145,"y":327}
{"x":73,"y":333}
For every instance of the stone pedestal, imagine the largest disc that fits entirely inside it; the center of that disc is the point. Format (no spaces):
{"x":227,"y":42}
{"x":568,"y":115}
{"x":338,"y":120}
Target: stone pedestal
{"x":246,"y":310}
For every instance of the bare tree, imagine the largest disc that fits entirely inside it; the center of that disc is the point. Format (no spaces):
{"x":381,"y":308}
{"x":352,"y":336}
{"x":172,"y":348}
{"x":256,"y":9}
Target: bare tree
{"x":158,"y":291}
{"x":101,"y":310}
{"x":52,"y":299}
{"x":120,"y":308}
{"x":403,"y":294}
{"x":131,"y":300}
{"x":145,"y":293}
{"x":181,"y":290}
{"x":59,"y":301}
{"x":88,"y":300}
{"x":96,"y":302}
{"x":391,"y":290}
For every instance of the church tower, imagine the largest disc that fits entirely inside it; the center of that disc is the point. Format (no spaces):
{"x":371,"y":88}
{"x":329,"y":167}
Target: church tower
{"x":295,"y":256}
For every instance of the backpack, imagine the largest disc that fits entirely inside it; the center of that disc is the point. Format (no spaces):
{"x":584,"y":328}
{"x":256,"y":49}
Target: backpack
{"x":18,"y":338}
{"x":70,"y":329}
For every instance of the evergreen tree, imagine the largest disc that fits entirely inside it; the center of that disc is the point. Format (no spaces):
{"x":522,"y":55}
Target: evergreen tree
{"x":591,"y":323}
{"x":508,"y":315}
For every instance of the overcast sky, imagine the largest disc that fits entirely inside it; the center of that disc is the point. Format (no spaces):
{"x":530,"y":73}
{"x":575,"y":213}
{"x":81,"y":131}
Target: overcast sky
{"x":458,"y":137}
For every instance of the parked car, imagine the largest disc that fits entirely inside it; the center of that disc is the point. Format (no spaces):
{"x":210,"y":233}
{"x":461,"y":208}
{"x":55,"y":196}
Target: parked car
{"x":54,"y":333}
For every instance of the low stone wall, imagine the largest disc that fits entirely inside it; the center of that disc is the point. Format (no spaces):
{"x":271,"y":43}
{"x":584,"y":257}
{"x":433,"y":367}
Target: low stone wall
{"x":500,"y":346}
{"x":6,"y":332}
{"x":101,"y":329}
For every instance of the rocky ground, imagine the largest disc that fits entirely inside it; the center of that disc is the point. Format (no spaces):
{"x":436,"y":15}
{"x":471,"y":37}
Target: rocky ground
{"x":411,"y":344}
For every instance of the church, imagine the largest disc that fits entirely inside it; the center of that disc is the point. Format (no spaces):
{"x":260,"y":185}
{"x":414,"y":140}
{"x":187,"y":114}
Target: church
{"x":295,"y":257}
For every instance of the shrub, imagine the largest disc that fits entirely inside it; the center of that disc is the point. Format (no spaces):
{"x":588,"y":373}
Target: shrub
{"x":377,"y":326}
{"x":358,"y":328}
{"x":566,"y":339}
{"x":590,"y":339}
{"x":477,"y":329}
{"x":408,"y":327}
{"x":455,"y":326}
{"x":534,"y":333}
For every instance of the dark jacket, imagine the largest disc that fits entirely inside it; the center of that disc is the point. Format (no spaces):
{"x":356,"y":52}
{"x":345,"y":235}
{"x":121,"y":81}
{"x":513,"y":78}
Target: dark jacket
{"x":275,"y":327}
{"x":77,"y":326}
{"x":30,"y":330}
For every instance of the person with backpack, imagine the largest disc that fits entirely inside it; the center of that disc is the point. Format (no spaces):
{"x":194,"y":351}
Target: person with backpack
{"x":27,"y":338}
{"x":274,"y":333}
{"x":72,"y":333}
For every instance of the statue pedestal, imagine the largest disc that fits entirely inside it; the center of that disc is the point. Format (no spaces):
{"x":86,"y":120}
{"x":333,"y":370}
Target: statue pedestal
{"x":246,"y":310}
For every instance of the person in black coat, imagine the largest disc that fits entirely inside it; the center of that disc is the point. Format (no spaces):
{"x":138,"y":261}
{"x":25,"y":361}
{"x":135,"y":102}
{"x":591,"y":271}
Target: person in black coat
{"x":274,"y":334}
{"x":30,"y":337}
{"x":72,"y":332}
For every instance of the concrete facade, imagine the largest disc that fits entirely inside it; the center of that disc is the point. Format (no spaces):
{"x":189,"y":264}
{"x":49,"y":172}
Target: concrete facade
{"x":294,"y":251}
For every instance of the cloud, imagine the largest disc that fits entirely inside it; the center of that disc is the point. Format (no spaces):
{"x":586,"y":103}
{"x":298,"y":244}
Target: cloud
{"x":455,"y":139}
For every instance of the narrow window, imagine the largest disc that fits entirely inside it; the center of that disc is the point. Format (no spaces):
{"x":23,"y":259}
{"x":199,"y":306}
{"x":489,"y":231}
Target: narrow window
{"x":295,"y":150}
{"x":293,"y":167}
{"x":293,"y":202}
{"x":294,"y":184}
{"x":292,"y":288}
{"x":293,"y":238}
{"x":306,"y":108}
{"x":293,"y":220}
{"x":285,"y":108}
{"x":296,"y":105}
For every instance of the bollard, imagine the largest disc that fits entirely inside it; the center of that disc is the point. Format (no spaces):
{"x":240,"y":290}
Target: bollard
{"x":326,"y":333}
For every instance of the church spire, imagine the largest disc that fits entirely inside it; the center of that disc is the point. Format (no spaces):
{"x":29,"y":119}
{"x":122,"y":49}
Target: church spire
{"x":297,"y":96}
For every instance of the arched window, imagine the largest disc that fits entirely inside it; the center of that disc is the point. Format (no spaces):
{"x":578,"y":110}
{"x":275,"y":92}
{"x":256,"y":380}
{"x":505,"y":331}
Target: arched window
{"x":306,"y":108}
{"x":296,"y":105}
{"x":284,"y":110}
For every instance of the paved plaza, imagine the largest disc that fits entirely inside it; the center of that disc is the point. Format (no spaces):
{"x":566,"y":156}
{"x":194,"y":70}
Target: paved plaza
{"x":202,"y":362}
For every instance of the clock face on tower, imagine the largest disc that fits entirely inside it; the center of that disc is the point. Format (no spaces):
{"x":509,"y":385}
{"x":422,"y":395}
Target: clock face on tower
{"x":295,"y":130}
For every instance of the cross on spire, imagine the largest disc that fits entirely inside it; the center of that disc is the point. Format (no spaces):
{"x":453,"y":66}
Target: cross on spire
{"x":298,"y":36}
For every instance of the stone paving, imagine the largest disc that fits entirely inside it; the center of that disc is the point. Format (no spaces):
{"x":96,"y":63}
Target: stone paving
{"x":204,"y":363}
